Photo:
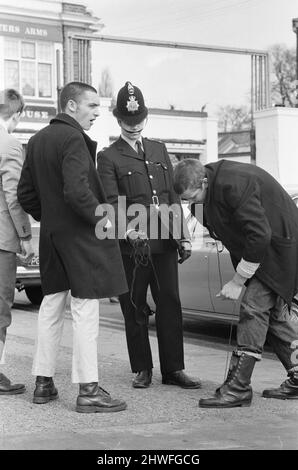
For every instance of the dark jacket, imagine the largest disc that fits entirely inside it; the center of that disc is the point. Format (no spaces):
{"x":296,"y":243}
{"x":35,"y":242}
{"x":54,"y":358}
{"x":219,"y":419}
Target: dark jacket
{"x":59,"y":186}
{"x":125,"y":173}
{"x":256,"y":219}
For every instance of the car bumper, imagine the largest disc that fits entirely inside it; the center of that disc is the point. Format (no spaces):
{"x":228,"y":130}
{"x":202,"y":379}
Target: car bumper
{"x":27,"y":277}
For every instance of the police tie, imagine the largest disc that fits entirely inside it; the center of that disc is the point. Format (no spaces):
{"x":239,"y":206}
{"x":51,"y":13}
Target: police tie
{"x":140,"y":151}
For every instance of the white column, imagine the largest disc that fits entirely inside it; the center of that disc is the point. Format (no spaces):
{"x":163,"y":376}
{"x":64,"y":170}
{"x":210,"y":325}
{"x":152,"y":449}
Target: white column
{"x":102,"y":127}
{"x":276,"y":143}
{"x":211,"y":134}
{"x":2,"y":85}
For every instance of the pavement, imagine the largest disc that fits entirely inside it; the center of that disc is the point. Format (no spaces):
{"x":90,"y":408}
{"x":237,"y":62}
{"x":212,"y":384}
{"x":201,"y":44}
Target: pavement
{"x":161,"y":417}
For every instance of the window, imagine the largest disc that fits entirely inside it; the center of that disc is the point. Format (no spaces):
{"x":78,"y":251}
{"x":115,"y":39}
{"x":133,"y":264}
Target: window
{"x":11,"y":74}
{"x":28,"y":50}
{"x":45,"y":52}
{"x":28,"y":67}
{"x":44,"y":80}
{"x":11,"y":48}
{"x":28,"y":87}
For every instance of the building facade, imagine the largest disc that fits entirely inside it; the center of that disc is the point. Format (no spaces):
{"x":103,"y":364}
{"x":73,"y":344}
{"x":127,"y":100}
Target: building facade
{"x":35,"y":57}
{"x":39,"y":54}
{"x":236,"y":145}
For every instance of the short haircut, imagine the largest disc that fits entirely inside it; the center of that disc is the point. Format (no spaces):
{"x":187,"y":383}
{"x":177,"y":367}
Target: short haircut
{"x":11,"y":102}
{"x":188,"y":174}
{"x":73,"y":91}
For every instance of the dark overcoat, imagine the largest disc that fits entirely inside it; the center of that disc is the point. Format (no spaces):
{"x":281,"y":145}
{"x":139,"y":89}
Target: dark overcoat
{"x":59,"y":186}
{"x":141,"y":179}
{"x":256,"y":219}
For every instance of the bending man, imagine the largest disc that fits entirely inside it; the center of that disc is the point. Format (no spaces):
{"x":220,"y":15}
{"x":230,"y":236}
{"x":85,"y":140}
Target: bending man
{"x":257,"y":221}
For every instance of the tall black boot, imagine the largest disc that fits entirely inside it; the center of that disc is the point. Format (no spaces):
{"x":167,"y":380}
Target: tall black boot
{"x":94,"y":399}
{"x":236,"y":389}
{"x":288,"y":390}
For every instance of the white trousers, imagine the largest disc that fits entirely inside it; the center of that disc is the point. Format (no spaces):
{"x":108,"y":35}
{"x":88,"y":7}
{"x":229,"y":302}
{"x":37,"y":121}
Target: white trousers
{"x":2,"y":353}
{"x":85,"y":315}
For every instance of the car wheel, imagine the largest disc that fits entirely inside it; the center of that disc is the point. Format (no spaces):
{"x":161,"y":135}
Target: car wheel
{"x":34,"y":294}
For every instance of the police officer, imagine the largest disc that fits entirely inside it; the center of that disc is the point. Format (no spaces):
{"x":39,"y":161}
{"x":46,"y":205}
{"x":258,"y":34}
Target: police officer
{"x":140,"y":169}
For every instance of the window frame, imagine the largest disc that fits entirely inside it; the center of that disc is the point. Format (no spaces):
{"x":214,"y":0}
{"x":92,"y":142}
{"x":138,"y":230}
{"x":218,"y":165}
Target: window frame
{"x":37,"y":61}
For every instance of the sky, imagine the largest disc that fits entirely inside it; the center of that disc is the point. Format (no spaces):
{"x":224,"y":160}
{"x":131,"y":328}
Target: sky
{"x":187,"y":79}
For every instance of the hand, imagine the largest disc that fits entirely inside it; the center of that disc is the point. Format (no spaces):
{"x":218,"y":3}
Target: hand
{"x":184,"y":251}
{"x":135,"y":237}
{"x":27,"y":251}
{"x":232,"y":290}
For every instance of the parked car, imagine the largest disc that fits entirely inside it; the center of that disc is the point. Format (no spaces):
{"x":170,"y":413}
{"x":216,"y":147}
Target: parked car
{"x":28,"y":275}
{"x":200,"y":277}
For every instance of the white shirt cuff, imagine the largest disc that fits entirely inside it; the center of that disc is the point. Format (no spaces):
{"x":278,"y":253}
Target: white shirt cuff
{"x":246,"y":268}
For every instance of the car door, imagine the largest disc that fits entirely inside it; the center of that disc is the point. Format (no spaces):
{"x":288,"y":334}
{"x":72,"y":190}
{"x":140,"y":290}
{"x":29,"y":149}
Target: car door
{"x":220,"y":271}
{"x":193,"y":273}
{"x":202,"y":276}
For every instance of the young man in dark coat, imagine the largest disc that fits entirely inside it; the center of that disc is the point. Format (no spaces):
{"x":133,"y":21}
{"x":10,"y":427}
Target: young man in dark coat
{"x":139,"y":170}
{"x":257,"y":221}
{"x":60,"y":187}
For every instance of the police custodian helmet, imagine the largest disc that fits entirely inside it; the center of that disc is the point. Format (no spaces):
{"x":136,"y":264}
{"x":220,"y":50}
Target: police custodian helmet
{"x":130,"y":106}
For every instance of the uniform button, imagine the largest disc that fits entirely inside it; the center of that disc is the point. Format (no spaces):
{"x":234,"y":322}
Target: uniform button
{"x":129,"y":172}
{"x":151,"y":177}
{"x":154,"y":191}
{"x":147,"y":163}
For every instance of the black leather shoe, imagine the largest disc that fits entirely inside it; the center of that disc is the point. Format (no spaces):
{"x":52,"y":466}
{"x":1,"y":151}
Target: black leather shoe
{"x":7,"y":388}
{"x":181,"y":379}
{"x":142,"y":379}
{"x":94,"y":399}
{"x":45,"y":390}
{"x":287,"y":391}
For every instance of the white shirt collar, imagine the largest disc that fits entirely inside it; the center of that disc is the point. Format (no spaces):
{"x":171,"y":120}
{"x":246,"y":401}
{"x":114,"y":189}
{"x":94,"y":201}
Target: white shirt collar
{"x":133,"y":144}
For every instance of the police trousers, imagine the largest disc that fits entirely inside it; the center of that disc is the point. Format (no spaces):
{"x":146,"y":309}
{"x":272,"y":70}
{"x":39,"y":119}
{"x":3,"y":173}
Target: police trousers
{"x":168,"y":316}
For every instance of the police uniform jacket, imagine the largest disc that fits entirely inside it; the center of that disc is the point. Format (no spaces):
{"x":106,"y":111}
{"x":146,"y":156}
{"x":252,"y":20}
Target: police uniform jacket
{"x":59,"y":186}
{"x":144,"y":180}
{"x":256,"y":219}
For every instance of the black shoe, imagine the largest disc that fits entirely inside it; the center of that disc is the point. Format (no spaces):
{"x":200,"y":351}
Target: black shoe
{"x":7,"y":388}
{"x":181,"y":379}
{"x":142,"y":379}
{"x":288,"y":390}
{"x":45,"y":390}
{"x":94,"y":399}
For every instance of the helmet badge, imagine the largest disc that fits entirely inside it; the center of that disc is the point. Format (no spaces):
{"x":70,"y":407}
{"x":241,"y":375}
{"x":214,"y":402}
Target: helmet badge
{"x":132,"y":104}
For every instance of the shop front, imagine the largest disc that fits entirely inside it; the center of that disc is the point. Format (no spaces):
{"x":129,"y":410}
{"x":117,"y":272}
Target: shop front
{"x":34,"y":55}
{"x":29,"y":55}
